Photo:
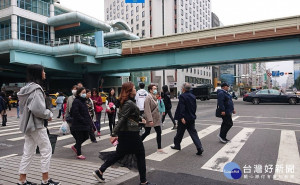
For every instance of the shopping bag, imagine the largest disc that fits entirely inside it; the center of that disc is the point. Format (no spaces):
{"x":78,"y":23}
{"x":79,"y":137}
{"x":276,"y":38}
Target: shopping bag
{"x":64,"y":128}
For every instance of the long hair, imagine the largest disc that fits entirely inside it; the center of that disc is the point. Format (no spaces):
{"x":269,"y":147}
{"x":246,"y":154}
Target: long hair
{"x":125,"y":92}
{"x":109,"y":93}
{"x":165,"y":88}
{"x":34,"y":73}
{"x":95,"y":90}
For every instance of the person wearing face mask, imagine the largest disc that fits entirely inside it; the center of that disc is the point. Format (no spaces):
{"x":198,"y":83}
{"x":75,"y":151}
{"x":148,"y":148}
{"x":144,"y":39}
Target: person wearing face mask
{"x":69,"y":102}
{"x":82,"y":121}
{"x":152,"y":116}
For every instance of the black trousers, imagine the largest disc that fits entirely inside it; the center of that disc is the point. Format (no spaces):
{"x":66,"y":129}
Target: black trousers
{"x":170,"y":115}
{"x":129,"y":143}
{"x":190,"y":127}
{"x":158,"y":135}
{"x":112,"y":121}
{"x":80,"y":137}
{"x":92,"y":133}
{"x":226,"y":125}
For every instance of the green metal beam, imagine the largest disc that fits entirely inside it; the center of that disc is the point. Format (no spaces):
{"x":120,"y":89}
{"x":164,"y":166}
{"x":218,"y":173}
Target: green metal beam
{"x":23,"y":58}
{"x":245,"y":52}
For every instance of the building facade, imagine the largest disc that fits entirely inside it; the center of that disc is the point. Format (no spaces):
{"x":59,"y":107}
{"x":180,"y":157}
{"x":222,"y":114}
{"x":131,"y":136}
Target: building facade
{"x":165,"y":17}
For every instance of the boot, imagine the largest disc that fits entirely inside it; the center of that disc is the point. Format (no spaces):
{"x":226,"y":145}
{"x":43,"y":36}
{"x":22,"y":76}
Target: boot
{"x":4,"y":120}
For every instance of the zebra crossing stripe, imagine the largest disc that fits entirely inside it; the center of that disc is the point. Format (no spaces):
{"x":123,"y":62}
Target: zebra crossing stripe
{"x":17,"y":128}
{"x":185,"y":142}
{"x":229,"y":151}
{"x":19,"y":132}
{"x":89,"y":141}
{"x":288,"y":162}
{"x":16,"y":125}
{"x":149,"y":137}
{"x":7,"y":156}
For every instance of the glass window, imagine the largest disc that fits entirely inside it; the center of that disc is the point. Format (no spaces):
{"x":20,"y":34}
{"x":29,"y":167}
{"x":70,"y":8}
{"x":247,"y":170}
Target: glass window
{"x":122,"y":3}
{"x":4,"y":4}
{"x":137,"y":17}
{"x":131,"y":12}
{"x":143,"y":32}
{"x":131,"y":21}
{"x":127,"y":8}
{"x":33,"y":31}
{"x":137,"y":27}
{"x":36,"y":6}
{"x":143,"y":5}
{"x":107,"y":10}
{"x":118,"y":7}
{"x":143,"y":23}
{"x":5,"y":30}
{"x":127,"y":16}
{"x":137,"y":9}
{"x":266,"y":91}
{"x":118,"y":15}
{"x":274,"y":92}
{"x":143,"y":14}
{"x":122,"y":11}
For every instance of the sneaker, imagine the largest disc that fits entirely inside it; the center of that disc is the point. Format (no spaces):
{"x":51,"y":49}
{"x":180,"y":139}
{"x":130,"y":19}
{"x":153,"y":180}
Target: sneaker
{"x":94,"y":141}
{"x":51,"y":182}
{"x":98,"y":176}
{"x":27,"y":183}
{"x":175,"y":148}
{"x":147,"y":183}
{"x":200,"y":152}
{"x":221,"y":139}
{"x":74,"y":149}
{"x":227,"y":140}
{"x":175,"y":127}
{"x":98,"y":133}
{"x":81,"y":157}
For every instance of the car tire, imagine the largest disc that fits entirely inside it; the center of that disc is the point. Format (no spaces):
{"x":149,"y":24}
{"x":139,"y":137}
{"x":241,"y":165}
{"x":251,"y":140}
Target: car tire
{"x":255,"y":101}
{"x":292,"y":101}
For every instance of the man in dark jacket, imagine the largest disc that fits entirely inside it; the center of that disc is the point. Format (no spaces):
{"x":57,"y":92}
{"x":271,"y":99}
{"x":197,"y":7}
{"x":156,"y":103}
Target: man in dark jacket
{"x":186,"y":115}
{"x":226,"y":106}
{"x":168,"y":105}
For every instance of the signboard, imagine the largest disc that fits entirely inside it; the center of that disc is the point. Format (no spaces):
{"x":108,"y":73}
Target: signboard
{"x":142,"y":79}
{"x":134,"y":1}
{"x":275,"y":73}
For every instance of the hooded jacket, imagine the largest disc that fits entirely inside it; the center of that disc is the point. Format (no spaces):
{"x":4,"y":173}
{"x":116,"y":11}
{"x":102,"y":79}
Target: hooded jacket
{"x":225,"y":101}
{"x":140,"y":98}
{"x":32,"y":108}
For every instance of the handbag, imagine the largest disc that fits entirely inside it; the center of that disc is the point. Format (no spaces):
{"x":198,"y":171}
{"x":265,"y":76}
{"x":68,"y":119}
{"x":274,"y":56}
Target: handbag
{"x":98,"y":108}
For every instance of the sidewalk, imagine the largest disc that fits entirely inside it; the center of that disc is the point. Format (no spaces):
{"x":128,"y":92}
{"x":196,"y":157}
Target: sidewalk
{"x":66,"y":171}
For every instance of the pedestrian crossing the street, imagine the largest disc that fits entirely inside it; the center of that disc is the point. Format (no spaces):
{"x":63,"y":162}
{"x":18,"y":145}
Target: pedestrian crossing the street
{"x":288,"y":151}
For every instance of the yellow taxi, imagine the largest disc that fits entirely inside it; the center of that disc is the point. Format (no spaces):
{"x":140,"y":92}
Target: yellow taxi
{"x":13,"y":102}
{"x":103,"y":95}
{"x":53,"y":99}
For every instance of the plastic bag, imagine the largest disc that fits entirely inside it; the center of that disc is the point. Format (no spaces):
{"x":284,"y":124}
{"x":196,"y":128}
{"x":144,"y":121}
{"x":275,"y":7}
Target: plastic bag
{"x":64,"y":128}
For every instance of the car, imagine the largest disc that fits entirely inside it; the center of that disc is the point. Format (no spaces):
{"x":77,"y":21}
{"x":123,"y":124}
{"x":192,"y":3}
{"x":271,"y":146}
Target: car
{"x":13,"y":102}
{"x":103,"y":95}
{"x":213,"y":95}
{"x":270,"y":96}
{"x":53,"y":99}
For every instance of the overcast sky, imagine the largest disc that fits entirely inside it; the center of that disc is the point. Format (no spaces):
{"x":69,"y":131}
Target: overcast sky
{"x":229,"y":12}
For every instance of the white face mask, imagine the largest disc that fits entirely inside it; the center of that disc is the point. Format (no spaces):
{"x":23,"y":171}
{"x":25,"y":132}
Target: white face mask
{"x":74,"y":92}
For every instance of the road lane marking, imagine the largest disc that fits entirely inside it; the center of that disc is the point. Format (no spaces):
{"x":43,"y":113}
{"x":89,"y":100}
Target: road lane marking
{"x":149,"y":137}
{"x":288,"y":154}
{"x":229,"y":151}
{"x":17,"y":125}
{"x":19,"y":132}
{"x":17,"y":128}
{"x":267,"y":117}
{"x":234,"y":118}
{"x":185,"y":142}
{"x":7,"y":156}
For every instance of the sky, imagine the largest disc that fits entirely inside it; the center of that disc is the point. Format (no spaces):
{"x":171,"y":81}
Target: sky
{"x":229,"y":12}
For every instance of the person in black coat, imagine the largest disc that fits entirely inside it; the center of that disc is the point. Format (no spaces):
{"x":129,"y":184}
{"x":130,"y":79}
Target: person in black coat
{"x":81,"y":121}
{"x":186,"y":115}
{"x":3,"y":108}
{"x":165,"y":95}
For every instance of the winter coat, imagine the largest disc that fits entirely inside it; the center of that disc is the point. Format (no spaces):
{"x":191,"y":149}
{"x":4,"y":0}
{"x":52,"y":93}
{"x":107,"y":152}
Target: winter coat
{"x":140,"y":98}
{"x":69,"y":105}
{"x":80,"y":114}
{"x":225,"y":102}
{"x":186,"y":107}
{"x":2,"y":104}
{"x":129,"y":118}
{"x":161,"y":106}
{"x":98,"y":100}
{"x":166,"y":97}
{"x":32,"y":108}
{"x":151,"y":111}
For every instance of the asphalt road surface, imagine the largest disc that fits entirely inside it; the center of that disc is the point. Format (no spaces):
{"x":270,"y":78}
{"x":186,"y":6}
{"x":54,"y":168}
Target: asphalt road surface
{"x":264,"y":143}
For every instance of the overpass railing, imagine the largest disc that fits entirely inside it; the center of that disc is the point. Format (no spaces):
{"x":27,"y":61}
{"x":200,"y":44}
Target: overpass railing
{"x":254,"y":29}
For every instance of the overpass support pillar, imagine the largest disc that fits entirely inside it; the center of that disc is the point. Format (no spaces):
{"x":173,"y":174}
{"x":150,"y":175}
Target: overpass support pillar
{"x":92,"y":81}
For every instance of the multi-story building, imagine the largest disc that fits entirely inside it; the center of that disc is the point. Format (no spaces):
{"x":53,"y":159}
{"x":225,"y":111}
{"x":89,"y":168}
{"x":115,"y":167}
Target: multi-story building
{"x":164,"y":17}
{"x":68,"y":44}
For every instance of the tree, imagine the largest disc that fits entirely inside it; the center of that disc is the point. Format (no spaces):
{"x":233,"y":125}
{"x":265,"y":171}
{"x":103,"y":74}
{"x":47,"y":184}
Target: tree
{"x":297,"y":83}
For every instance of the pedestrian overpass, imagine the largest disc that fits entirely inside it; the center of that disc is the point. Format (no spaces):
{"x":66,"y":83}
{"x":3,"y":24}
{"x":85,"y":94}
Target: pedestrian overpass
{"x":270,"y":40}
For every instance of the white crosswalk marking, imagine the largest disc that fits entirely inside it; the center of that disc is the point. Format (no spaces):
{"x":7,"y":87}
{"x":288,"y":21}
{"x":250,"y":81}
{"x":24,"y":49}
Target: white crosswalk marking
{"x":288,"y":158}
{"x":7,"y":156}
{"x":185,"y":142}
{"x":149,"y":137}
{"x":17,"y":127}
{"x":19,"y":132}
{"x":229,"y":151}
